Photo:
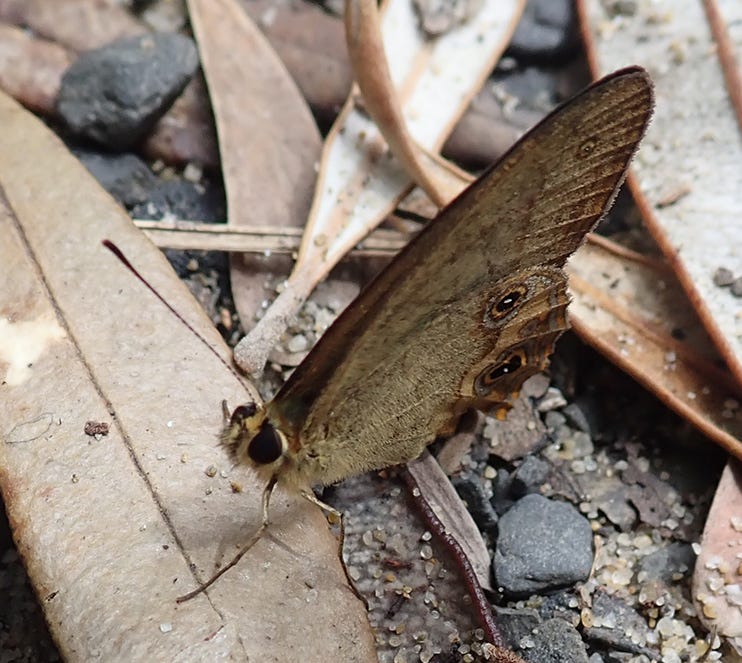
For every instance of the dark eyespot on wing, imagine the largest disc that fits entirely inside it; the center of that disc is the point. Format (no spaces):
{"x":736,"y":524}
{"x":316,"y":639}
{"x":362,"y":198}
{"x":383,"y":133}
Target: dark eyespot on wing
{"x":505,"y":368}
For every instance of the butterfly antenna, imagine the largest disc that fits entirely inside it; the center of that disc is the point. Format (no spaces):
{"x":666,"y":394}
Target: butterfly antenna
{"x":119,"y":254}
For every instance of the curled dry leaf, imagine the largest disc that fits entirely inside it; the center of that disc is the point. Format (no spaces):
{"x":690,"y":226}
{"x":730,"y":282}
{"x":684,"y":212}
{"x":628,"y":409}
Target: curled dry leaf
{"x":448,"y":507}
{"x":636,"y":314}
{"x":110,"y":529}
{"x":311,"y":43}
{"x":270,"y":143}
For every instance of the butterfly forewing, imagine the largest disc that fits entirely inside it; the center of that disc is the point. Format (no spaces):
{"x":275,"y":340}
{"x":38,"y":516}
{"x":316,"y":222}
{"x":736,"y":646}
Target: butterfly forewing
{"x":473,"y":305}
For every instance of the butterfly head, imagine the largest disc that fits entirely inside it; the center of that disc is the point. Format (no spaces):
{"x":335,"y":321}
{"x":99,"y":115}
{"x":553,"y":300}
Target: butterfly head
{"x":253,"y":439}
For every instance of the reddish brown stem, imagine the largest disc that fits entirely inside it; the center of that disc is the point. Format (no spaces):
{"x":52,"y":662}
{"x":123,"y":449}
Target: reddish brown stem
{"x":481,"y":604}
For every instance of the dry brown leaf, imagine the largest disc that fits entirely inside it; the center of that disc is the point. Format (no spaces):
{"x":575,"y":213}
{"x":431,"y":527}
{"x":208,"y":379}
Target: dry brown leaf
{"x":450,"y":510}
{"x":77,"y":24}
{"x":311,"y":43}
{"x":270,"y":143}
{"x":718,"y":574}
{"x":31,"y":69}
{"x":186,"y":132}
{"x":689,"y":54}
{"x":694,"y":125}
{"x":636,"y":313}
{"x":109,"y":528}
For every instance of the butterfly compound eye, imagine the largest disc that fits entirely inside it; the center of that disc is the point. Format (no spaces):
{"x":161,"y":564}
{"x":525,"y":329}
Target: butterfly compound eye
{"x":267,"y":446}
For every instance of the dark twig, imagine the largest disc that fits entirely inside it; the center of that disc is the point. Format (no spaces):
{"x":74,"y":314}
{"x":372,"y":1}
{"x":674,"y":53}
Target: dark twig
{"x":481,"y":604}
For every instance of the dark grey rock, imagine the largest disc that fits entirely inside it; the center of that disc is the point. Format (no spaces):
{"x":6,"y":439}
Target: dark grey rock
{"x":125,"y":176}
{"x":554,"y":420}
{"x":470,"y":489}
{"x":529,"y":476}
{"x":502,"y":498}
{"x":547,"y":31}
{"x":576,"y":417}
{"x":559,"y":604}
{"x":668,"y":564}
{"x":618,"y":626}
{"x":556,"y":641}
{"x":542,"y":546}
{"x":183,"y":199}
{"x":516,"y":624}
{"x":737,"y":287}
{"x":116,"y":93}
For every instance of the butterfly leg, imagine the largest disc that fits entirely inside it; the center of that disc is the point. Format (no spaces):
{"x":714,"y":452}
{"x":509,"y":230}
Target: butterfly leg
{"x":338,"y":516}
{"x":266,"y":498}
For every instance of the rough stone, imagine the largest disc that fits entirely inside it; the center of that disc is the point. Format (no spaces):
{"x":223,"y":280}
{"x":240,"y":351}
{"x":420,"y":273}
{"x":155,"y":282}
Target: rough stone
{"x":115,"y":94}
{"x":529,"y":476}
{"x":576,"y":417}
{"x":502,"y":498}
{"x":543,"y":545}
{"x":125,"y":176}
{"x":556,"y":641}
{"x":470,"y":490}
{"x":669,"y":563}
{"x":545,"y":32}
{"x":618,"y":626}
{"x":516,"y":623}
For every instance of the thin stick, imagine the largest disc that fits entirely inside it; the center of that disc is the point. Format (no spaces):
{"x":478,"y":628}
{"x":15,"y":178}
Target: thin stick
{"x":253,"y":540}
{"x":481,"y":604}
{"x":125,"y":261}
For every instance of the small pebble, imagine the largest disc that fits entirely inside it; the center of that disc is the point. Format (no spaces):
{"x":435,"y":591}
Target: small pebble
{"x":723,"y":277}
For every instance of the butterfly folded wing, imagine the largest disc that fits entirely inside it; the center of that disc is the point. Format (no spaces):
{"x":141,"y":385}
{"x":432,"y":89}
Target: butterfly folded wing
{"x":471,"y":307}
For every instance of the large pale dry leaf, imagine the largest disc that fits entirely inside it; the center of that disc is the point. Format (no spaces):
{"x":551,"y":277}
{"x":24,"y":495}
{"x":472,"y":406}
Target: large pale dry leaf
{"x":717,"y":576}
{"x":693,"y":147}
{"x":110,"y":528}
{"x":359,"y":183}
{"x":634,"y":312}
{"x":270,"y":143}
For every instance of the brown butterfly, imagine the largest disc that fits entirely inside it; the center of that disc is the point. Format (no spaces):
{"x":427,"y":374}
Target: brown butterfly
{"x":462,"y":316}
